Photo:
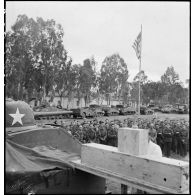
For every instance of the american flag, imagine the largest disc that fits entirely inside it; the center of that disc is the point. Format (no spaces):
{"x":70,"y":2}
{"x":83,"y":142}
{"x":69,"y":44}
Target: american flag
{"x":137,"y":45}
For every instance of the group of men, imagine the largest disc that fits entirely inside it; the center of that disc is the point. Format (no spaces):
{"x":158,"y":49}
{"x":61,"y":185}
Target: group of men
{"x":170,"y":135}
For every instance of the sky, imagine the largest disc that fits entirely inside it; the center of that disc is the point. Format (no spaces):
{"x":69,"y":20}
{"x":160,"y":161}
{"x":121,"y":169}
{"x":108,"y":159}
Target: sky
{"x":104,"y":28}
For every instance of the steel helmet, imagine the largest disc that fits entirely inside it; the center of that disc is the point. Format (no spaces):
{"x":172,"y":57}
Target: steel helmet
{"x":18,"y":114}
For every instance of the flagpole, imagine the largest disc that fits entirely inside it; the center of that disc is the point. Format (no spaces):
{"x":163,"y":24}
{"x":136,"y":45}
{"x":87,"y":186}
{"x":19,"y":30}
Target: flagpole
{"x":140,"y":71}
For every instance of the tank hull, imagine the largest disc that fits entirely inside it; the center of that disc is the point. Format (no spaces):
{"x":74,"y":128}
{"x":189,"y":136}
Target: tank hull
{"x":37,"y":161}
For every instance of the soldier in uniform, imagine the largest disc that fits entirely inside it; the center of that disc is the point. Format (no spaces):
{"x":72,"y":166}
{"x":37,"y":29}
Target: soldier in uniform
{"x":183,"y":143}
{"x":167,"y":134}
{"x":91,"y":133}
{"x":103,"y":133}
{"x":159,"y":138}
{"x":85,"y":134}
{"x":124,"y":123}
{"x":112,"y":135}
{"x":177,"y":138}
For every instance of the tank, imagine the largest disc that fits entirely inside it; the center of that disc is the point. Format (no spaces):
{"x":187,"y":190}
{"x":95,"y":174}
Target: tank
{"x":38,"y":157}
{"x":47,"y":112}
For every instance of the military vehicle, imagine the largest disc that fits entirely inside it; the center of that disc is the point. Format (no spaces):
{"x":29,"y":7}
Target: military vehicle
{"x":145,"y":111}
{"x":125,"y":110}
{"x":97,"y":109}
{"x":38,"y":158}
{"x":182,"y":109}
{"x":83,"y":112}
{"x":129,"y":110}
{"x":154,"y":107}
{"x":47,"y":112}
{"x":166,"y":109}
{"x":109,"y":110}
{"x":120,"y":108}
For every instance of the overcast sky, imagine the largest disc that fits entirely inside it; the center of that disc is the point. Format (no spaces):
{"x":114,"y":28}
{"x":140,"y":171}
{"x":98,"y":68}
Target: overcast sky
{"x":104,"y":28}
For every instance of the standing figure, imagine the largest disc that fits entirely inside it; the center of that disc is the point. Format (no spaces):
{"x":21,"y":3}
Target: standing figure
{"x":167,"y":134}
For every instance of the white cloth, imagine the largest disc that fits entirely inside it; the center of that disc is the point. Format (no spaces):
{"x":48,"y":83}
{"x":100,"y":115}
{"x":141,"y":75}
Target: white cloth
{"x":154,"y":150}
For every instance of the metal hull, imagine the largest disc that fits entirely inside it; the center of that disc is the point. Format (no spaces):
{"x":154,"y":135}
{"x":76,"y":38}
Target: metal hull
{"x":37,"y":161}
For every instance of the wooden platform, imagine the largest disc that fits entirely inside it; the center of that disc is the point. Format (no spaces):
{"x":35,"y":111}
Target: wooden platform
{"x":139,"y":184}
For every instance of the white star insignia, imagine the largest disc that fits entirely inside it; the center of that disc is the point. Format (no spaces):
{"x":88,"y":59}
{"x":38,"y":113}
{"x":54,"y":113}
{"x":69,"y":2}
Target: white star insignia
{"x":17,"y":117}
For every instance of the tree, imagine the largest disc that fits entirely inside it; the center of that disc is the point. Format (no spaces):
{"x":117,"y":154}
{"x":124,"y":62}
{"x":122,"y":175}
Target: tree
{"x":64,"y":78}
{"x":143,"y":77}
{"x":113,"y":75}
{"x":48,"y":48}
{"x":19,"y":58}
{"x":87,"y":78}
{"x":33,"y":50}
{"x":135,"y":87}
{"x":170,"y":77}
{"x":153,"y":91}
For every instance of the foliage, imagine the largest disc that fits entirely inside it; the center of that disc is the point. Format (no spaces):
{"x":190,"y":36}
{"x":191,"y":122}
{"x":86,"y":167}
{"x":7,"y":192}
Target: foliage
{"x":33,"y":49}
{"x":170,"y":77}
{"x":87,"y":78}
{"x":113,"y":75}
{"x":143,"y":77}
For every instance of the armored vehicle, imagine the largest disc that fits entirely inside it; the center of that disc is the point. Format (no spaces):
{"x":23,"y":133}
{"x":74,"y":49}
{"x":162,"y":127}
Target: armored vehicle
{"x":46,"y":112}
{"x":120,"y":108}
{"x":129,"y":110}
{"x":166,"y":109}
{"x":97,"y":109}
{"x":38,"y":158}
{"x":182,"y":109}
{"x":83,"y":112}
{"x":109,"y":110}
{"x":145,"y":111}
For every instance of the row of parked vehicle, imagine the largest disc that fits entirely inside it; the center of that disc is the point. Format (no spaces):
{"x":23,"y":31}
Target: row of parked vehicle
{"x":177,"y":108}
{"x":95,"y":110}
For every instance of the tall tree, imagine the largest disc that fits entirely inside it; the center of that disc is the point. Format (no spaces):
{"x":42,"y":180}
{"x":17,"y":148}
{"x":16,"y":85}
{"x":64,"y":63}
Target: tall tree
{"x":33,"y":49}
{"x":87,"y":78}
{"x":170,"y":77}
{"x":113,"y":75}
{"x":47,"y":49}
{"x":19,"y":58}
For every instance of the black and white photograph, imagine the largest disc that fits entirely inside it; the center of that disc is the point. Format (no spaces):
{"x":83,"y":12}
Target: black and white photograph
{"x":97,"y":97}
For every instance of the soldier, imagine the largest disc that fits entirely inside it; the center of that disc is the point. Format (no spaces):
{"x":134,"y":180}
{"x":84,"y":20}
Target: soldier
{"x":112,"y":135}
{"x":76,"y":133}
{"x":183,"y":143}
{"x":125,"y":123}
{"x":96,"y":128}
{"x":177,"y":138}
{"x":159,"y":138}
{"x":85,"y":134}
{"x":103,"y":134}
{"x":152,"y":133}
{"x":167,"y":134}
{"x":91,"y":133}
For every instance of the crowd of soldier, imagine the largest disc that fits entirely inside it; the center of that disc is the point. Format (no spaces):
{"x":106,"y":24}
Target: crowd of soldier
{"x":170,"y":135}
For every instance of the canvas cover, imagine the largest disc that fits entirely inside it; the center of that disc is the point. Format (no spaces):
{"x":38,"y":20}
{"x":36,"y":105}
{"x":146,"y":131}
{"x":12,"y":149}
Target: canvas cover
{"x":28,"y":167}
